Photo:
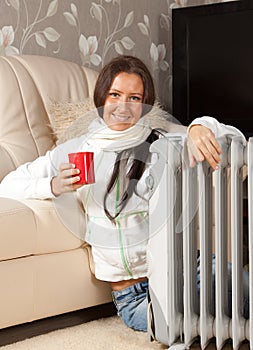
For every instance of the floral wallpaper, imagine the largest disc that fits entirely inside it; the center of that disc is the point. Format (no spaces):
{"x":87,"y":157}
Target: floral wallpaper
{"x":92,"y":32}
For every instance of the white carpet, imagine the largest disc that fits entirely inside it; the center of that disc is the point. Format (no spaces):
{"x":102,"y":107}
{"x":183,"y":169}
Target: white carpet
{"x":104,"y":334}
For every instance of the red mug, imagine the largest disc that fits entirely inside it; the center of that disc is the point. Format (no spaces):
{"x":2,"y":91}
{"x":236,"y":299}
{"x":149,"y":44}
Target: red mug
{"x":84,"y":161}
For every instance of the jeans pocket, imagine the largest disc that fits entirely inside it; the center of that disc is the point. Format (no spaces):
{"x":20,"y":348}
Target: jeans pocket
{"x":121,"y":299}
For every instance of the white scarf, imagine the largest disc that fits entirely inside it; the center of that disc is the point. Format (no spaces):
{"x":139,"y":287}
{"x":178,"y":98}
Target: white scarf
{"x":100,"y":135}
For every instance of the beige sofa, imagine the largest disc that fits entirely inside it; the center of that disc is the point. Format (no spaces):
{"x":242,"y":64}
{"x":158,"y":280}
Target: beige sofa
{"x":45,"y":269}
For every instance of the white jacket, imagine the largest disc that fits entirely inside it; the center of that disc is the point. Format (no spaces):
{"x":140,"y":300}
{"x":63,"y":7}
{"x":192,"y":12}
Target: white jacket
{"x":119,"y":251}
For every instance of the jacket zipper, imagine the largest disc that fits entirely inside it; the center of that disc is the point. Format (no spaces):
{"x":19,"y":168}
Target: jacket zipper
{"x":122,"y":252}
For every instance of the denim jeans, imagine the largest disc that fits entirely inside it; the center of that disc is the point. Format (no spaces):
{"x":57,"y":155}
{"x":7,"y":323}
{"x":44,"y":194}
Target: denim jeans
{"x":131,"y":302}
{"x":245,"y":287}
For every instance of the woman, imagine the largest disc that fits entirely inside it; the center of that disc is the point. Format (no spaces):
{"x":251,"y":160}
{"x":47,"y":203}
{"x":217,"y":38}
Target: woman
{"x":116,"y":206}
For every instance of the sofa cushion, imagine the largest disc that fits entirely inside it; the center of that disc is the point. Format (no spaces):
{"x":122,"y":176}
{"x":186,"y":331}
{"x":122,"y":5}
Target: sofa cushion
{"x":46,"y":285}
{"x":42,"y":227}
{"x":70,"y":119}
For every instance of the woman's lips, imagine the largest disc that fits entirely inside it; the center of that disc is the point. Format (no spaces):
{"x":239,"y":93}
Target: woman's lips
{"x":121,"y":118}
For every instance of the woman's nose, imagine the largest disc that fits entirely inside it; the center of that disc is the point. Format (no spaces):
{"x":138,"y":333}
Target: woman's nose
{"x":123,"y":105}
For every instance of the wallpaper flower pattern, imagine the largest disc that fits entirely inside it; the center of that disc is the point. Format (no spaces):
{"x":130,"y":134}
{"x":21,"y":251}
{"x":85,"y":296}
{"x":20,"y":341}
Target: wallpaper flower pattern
{"x":92,"y":32}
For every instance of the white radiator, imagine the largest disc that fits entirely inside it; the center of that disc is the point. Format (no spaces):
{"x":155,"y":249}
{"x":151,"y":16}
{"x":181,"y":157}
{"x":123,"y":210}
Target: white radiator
{"x":187,"y":202}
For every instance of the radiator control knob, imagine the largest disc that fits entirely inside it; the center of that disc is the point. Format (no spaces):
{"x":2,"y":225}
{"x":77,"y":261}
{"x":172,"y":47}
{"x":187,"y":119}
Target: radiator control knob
{"x":150,"y":182}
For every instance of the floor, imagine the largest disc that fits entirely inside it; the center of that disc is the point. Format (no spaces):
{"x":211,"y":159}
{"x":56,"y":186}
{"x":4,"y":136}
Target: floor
{"x":28,"y":330}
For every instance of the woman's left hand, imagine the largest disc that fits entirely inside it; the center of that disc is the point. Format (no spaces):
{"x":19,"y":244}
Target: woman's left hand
{"x":203,"y":145}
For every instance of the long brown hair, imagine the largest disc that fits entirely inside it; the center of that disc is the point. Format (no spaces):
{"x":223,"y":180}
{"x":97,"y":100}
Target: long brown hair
{"x":139,"y":154}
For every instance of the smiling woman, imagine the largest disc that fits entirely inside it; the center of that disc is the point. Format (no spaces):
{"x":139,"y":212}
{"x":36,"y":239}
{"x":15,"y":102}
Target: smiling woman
{"x":116,"y":206}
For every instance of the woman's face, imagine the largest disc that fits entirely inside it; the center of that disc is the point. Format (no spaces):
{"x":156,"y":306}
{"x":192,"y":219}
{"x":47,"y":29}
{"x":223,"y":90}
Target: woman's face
{"x":123,"y":104}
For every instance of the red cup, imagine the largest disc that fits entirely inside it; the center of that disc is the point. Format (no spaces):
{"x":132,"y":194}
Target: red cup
{"x":84,"y":161}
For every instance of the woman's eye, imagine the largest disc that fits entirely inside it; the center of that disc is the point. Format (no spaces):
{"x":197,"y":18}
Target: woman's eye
{"x":113,"y":94}
{"x":135,"y":98}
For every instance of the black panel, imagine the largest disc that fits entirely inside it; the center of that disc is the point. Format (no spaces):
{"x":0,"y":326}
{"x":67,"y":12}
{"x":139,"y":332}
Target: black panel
{"x":213,"y":63}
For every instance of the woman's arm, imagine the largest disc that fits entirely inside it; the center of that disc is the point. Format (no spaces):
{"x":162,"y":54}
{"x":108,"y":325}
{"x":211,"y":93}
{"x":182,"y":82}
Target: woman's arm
{"x":46,"y":177}
{"x":202,"y":144}
{"x":30,"y":180}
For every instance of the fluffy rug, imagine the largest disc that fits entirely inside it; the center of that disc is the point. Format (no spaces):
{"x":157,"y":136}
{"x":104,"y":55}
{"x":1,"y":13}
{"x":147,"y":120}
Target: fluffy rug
{"x":103,"y":334}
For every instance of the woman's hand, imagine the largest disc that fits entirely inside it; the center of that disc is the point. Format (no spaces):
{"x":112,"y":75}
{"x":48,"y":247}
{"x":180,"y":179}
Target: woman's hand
{"x":65,"y":180}
{"x":203,"y":145}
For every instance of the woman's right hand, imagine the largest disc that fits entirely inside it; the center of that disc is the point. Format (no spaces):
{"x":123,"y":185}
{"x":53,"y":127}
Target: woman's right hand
{"x":65,"y":180}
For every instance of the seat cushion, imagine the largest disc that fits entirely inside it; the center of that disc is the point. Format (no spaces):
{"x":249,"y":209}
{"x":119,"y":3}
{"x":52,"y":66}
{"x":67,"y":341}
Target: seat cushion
{"x":34,"y":227}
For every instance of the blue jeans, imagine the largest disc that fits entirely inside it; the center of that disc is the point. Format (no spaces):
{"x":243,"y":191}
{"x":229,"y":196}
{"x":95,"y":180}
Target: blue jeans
{"x":131,"y":302}
{"x":245,"y":282}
